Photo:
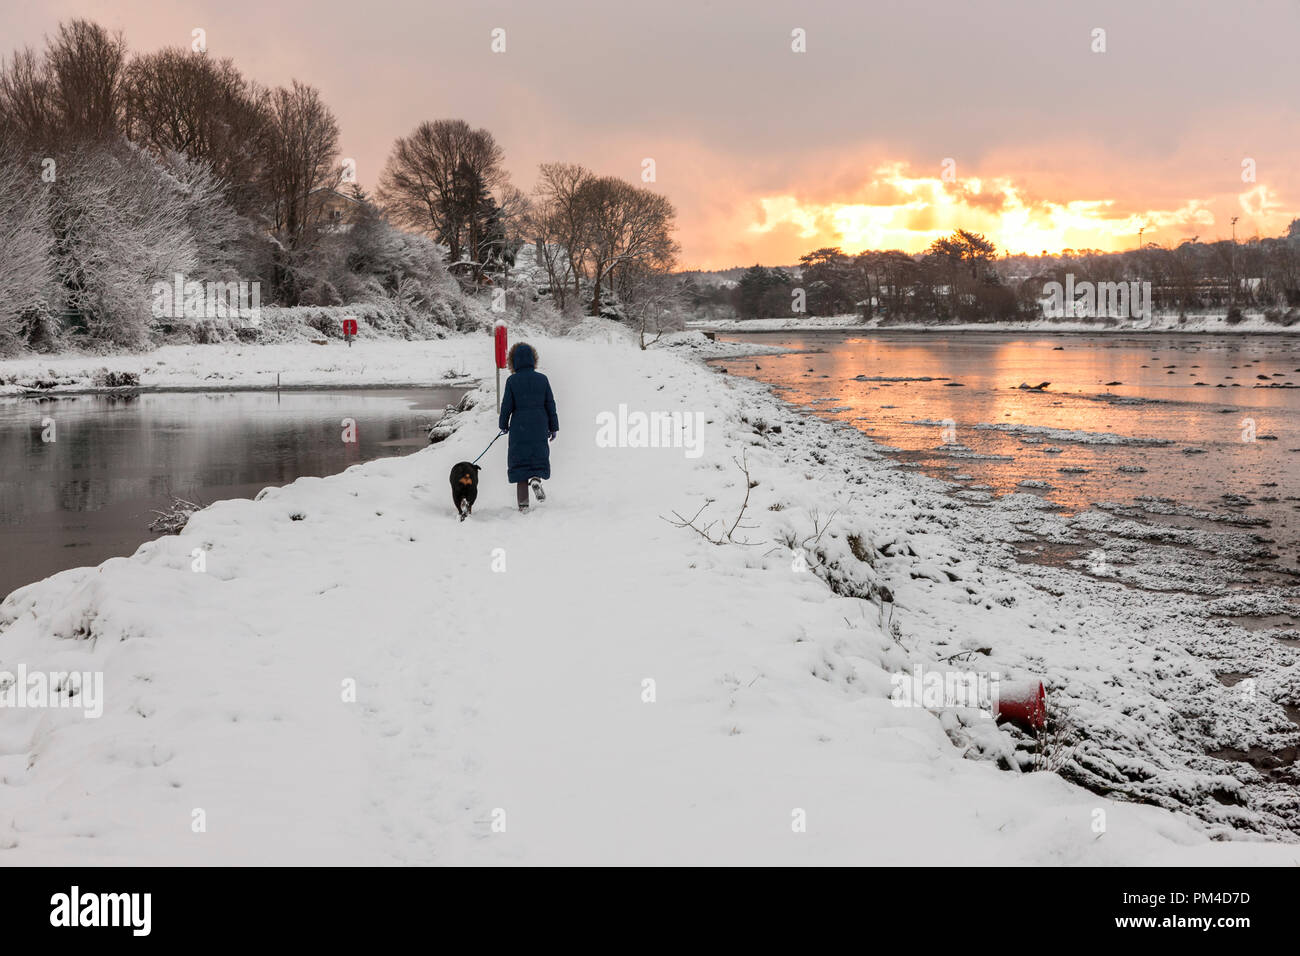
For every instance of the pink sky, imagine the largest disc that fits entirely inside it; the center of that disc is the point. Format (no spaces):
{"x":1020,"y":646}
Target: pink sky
{"x":769,"y":153}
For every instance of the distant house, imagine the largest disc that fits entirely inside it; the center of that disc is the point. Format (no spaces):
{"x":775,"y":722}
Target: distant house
{"x":335,"y":211}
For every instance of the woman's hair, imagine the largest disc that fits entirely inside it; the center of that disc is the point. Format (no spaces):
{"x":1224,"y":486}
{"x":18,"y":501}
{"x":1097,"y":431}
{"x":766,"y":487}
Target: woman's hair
{"x":523,"y":345}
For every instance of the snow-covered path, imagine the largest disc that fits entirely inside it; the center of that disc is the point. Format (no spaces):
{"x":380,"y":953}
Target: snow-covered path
{"x":486,"y":695}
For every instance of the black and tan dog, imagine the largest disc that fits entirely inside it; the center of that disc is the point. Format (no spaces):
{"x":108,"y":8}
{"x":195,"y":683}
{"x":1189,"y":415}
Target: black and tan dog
{"x":464,"y":487}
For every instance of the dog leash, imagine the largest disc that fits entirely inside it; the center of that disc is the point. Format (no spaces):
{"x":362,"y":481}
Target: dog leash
{"x":485,"y":450}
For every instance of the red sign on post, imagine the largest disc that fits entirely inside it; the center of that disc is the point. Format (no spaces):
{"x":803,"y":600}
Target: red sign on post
{"x":500,"y":332}
{"x":349,"y":326}
{"x":499,"y":340}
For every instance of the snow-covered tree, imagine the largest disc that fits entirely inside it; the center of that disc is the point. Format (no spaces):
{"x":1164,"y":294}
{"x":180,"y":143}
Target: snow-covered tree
{"x":26,"y":267}
{"x":120,"y":222}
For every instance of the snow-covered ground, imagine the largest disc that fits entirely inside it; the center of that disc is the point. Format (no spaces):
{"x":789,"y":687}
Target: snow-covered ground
{"x":812,"y":323}
{"x":391,"y":362}
{"x":1252,"y":322}
{"x":354,"y":676}
{"x":290,"y":365}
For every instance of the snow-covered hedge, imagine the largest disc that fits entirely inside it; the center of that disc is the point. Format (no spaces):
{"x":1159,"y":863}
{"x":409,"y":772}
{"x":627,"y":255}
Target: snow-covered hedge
{"x":375,"y":320}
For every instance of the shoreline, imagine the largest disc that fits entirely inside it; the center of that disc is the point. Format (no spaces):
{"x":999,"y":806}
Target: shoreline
{"x":904,"y":330}
{"x":741,"y":328}
{"x":759,"y":665}
{"x":467,"y":385}
{"x":385,"y":363}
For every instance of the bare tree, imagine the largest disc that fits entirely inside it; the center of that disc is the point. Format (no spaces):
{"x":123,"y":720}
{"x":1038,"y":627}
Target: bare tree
{"x":72,"y":92}
{"x":560,"y":226}
{"x":28,"y":114}
{"x":515,"y":210}
{"x":87,"y":66}
{"x":178,"y":101}
{"x":653,"y":300}
{"x":300,"y":157}
{"x":628,"y":226}
{"x":435,"y":180}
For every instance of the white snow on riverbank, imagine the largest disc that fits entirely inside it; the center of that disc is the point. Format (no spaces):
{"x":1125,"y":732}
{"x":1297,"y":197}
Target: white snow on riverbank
{"x":815,"y":323}
{"x":501,"y":664}
{"x":1252,"y":322}
{"x":292,"y":365}
{"x":371,"y":362}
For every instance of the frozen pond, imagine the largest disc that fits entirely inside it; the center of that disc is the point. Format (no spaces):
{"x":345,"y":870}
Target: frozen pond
{"x":81,"y":475}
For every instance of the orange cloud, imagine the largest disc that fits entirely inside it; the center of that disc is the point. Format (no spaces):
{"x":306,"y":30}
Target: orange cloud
{"x":895,"y":210}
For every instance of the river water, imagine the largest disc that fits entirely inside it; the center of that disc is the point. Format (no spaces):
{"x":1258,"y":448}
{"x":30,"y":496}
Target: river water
{"x":1196,"y":431}
{"x":81,"y":475}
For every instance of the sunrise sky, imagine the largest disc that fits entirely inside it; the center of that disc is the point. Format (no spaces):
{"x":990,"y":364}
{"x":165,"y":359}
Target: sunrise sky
{"x":768,"y":153}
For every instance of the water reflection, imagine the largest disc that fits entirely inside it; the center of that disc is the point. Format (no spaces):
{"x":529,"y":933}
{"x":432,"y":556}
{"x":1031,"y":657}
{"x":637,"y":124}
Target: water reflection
{"x":88,"y":494}
{"x":1196,"y":393}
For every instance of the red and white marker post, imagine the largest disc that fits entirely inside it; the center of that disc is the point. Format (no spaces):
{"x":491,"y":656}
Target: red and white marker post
{"x":349,"y":330}
{"x":499,"y":335}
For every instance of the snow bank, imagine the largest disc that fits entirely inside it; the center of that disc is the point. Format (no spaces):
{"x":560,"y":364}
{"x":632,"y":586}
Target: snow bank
{"x":1251,"y":322}
{"x":797,"y":323}
{"x":288,"y":364}
{"x":357,"y":677}
{"x":701,"y":346}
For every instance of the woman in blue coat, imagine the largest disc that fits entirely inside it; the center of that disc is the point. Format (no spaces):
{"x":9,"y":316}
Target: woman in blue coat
{"x":528,"y":416}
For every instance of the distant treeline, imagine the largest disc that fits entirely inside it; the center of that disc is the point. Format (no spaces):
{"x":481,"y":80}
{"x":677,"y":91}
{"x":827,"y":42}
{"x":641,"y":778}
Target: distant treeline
{"x":962,"y":278}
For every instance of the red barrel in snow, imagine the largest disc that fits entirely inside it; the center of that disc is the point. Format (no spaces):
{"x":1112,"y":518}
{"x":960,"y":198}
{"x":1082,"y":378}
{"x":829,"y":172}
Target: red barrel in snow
{"x":1023,"y":701}
{"x":500,"y":332}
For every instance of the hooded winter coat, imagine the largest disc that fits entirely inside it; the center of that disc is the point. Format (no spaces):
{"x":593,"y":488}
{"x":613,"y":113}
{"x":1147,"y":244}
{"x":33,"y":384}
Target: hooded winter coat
{"x":528,"y":414}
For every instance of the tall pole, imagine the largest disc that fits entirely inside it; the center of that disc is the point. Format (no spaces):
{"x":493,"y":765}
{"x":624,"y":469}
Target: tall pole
{"x":1232,"y":292}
